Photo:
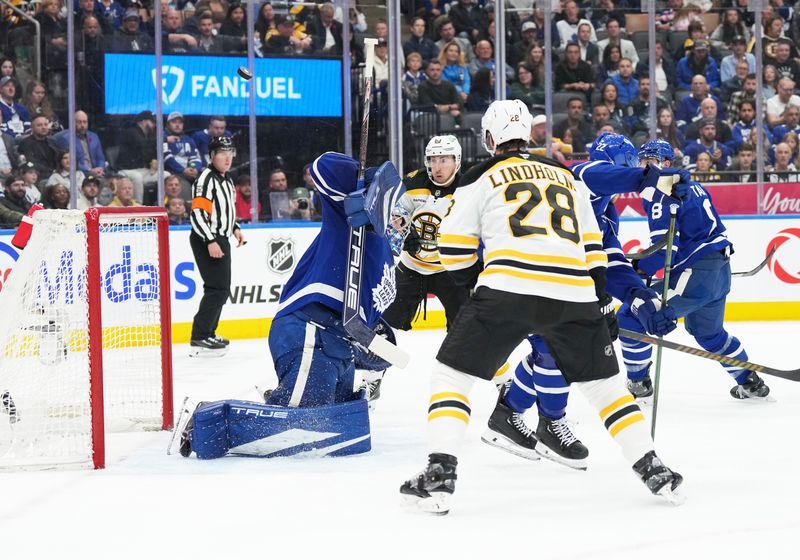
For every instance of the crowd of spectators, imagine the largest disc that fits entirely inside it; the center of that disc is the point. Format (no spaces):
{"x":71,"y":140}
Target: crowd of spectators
{"x":705,"y":79}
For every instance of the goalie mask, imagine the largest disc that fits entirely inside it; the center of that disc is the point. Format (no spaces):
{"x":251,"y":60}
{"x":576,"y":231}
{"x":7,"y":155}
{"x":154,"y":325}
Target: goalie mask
{"x":505,"y":121}
{"x":446,"y":145}
{"x":398,"y":228}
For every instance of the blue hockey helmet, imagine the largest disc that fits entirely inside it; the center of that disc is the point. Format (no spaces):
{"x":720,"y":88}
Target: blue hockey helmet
{"x":614,"y":148}
{"x":660,"y":150}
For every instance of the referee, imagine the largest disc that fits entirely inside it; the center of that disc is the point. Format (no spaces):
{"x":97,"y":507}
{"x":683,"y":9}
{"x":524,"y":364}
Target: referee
{"x":213,"y":220}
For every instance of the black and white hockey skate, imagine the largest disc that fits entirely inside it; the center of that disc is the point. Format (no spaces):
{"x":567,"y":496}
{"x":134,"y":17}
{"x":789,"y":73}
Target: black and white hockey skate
{"x":373,"y":389}
{"x":508,"y":431}
{"x":223,"y":341}
{"x":559,"y":444}
{"x":8,"y":407}
{"x":659,"y":479}
{"x":432,"y":489}
{"x":753,"y":388}
{"x":207,"y":347}
{"x":642,"y":388}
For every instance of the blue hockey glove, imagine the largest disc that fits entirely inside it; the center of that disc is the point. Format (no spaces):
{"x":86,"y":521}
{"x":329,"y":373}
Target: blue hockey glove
{"x":607,"y":309}
{"x":646,"y":307}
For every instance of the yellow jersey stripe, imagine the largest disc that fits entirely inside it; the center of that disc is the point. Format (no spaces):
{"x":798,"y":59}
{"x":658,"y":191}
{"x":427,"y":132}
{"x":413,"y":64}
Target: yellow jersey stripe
{"x":592,"y":237}
{"x":596,"y":257}
{"x":458,"y":260}
{"x":502,"y":370}
{"x":453,"y":239}
{"x":457,"y":414}
{"x":448,"y":395}
{"x":619,"y":403}
{"x":552,"y":259}
{"x":582,"y":282}
{"x":622,"y":424}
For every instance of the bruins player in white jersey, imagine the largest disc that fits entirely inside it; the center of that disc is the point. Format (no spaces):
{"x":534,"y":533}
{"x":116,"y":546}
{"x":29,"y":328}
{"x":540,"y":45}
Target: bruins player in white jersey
{"x":426,"y":200}
{"x":543,"y":271}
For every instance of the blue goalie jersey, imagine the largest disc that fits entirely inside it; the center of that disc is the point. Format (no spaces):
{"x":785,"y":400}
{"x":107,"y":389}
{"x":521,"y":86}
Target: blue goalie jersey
{"x":320,"y":274}
{"x":698,"y":229}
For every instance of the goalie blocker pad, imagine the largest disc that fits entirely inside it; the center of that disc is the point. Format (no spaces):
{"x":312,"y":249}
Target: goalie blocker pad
{"x":244,"y":428}
{"x":382,"y":196}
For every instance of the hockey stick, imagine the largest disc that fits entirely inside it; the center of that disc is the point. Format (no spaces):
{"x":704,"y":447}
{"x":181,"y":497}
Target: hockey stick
{"x":353,"y":323}
{"x":790,"y":374}
{"x":757,"y":269}
{"x":644,"y":253}
{"x":670,"y":238}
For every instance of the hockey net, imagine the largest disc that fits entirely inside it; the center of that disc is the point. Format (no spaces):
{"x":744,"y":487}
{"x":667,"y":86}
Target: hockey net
{"x":85,"y":341}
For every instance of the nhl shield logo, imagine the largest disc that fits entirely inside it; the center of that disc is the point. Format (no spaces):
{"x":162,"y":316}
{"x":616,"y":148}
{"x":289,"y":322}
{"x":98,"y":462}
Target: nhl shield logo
{"x":280,"y":254}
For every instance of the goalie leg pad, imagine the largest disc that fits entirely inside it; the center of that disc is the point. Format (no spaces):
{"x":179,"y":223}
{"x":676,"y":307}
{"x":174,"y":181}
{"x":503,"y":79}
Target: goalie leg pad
{"x":245,"y":428}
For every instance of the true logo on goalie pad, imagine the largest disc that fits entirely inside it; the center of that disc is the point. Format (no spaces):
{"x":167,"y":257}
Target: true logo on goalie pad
{"x":280,"y":254}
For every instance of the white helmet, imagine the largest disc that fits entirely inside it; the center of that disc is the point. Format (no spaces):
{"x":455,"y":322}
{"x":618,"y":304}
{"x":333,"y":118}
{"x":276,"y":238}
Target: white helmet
{"x":446,"y":145}
{"x":505,"y":121}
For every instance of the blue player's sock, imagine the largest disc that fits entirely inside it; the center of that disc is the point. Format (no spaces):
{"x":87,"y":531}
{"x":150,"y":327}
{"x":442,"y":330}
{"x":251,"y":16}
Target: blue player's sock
{"x":635,"y":355}
{"x":550,"y":385}
{"x":522,"y":396}
{"x":727,"y":345}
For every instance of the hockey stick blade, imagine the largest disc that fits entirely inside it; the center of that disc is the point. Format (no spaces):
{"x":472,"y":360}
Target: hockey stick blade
{"x":644,"y":253}
{"x":790,"y":374}
{"x":757,"y":269}
{"x":376,"y":344}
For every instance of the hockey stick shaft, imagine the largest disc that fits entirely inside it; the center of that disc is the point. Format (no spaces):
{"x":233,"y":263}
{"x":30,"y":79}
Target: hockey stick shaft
{"x":351,"y":320}
{"x":757,"y":269}
{"x":670,"y":238}
{"x":651,"y":250}
{"x":790,"y":374}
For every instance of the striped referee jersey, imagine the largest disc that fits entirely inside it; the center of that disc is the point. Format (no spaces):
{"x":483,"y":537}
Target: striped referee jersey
{"x":213,"y":212}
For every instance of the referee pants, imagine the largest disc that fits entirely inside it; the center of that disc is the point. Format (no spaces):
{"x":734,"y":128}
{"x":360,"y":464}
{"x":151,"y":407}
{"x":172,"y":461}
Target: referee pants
{"x":216,"y":275}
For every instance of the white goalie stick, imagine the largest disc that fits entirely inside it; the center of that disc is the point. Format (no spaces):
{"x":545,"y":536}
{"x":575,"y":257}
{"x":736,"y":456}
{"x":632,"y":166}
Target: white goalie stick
{"x":353,"y":323}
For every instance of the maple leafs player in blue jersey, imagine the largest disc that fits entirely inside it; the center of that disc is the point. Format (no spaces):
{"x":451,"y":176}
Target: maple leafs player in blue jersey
{"x":313,"y":355}
{"x":699,"y":282}
{"x":613,"y":168}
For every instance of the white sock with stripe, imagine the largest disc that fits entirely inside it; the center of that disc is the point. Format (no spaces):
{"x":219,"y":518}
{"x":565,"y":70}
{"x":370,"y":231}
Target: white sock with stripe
{"x":448,"y":409}
{"x":621,"y":415}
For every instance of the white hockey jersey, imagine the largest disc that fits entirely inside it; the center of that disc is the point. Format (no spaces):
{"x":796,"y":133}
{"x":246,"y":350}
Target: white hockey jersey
{"x":537,"y":226}
{"x":426,"y":204}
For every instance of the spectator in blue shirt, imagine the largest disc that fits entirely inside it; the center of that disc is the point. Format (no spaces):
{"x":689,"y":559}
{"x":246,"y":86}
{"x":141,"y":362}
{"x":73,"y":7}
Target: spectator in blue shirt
{"x":689,"y":107}
{"x":454,"y":69}
{"x":89,"y":156}
{"x":419,"y":43}
{"x":627,"y":85}
{"x":181,"y":157}
{"x":698,"y":62}
{"x":720,"y":153}
{"x":727,"y":68}
{"x":216,"y":127}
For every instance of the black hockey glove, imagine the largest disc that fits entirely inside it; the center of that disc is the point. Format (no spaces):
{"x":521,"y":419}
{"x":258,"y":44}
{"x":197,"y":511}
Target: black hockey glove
{"x":607,"y":309}
{"x":413,"y":242}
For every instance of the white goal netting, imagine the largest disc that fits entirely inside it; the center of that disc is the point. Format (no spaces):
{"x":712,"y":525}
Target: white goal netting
{"x":49,"y":405}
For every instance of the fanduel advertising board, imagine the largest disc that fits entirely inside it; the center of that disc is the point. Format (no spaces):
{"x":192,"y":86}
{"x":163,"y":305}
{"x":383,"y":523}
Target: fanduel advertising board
{"x":209,"y":85}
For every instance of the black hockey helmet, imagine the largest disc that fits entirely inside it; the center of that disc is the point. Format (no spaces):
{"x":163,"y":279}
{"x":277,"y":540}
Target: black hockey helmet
{"x":221,"y":144}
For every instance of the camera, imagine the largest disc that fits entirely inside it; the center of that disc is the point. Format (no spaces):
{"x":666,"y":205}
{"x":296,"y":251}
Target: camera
{"x":302,"y":203}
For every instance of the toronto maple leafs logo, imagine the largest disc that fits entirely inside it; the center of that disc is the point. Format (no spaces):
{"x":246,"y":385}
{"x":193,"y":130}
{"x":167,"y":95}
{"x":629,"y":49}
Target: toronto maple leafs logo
{"x":383,"y":294}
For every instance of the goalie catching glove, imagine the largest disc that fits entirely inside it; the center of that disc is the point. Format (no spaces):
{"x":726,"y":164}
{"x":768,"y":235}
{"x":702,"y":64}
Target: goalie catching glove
{"x":646,"y":307}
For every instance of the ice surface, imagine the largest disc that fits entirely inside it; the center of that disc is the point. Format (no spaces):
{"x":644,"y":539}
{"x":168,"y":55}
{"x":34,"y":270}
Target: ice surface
{"x":740,"y":461}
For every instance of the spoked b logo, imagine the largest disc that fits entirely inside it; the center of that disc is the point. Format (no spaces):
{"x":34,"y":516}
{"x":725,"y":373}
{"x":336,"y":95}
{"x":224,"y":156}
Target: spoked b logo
{"x":784,"y":264}
{"x":170,"y":74}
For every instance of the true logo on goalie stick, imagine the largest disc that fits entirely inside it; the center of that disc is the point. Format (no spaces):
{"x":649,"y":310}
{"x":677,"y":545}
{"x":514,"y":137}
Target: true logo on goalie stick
{"x":280,"y":254}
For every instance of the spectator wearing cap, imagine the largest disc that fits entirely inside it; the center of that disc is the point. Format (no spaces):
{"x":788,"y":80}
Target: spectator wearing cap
{"x":13,"y":204}
{"x":87,"y":195}
{"x":785,"y":65}
{"x":60,"y":176}
{"x":708,"y":111}
{"x":626,"y":47}
{"x":707,"y":142}
{"x":698,"y":62}
{"x":176,"y":211}
{"x":419,"y":43}
{"x":381,"y":67}
{"x":129,"y":38}
{"x":447,"y":32}
{"x":466,"y":17}
{"x":325,"y":32}
{"x":776,"y":104}
{"x":27,"y":172}
{"x":217,"y":126}
{"x":89,"y":154}
{"x":538,"y":143}
{"x":38,"y":148}
{"x":15,"y":118}
{"x":288,"y":40}
{"x":689,"y":107}
{"x":300,"y":204}
{"x":727,"y":68}
{"x":181,"y":157}
{"x":123,"y":194}
{"x":244,"y":199}
{"x":520,"y":49}
{"x":137,"y":152}
{"x":570,"y":21}
{"x":9,"y":157}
